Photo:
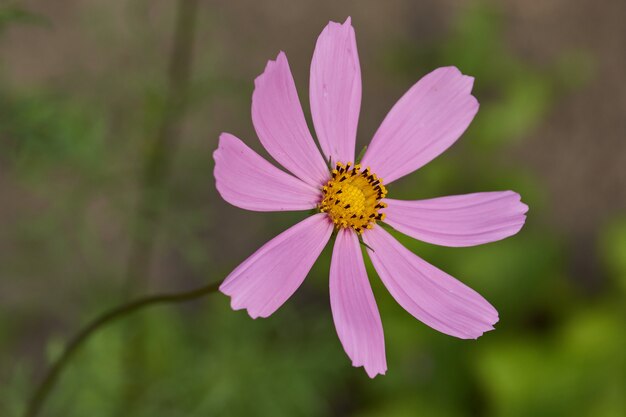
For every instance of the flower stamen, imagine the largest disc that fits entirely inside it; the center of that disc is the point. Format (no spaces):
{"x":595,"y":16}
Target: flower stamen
{"x":352,"y":198}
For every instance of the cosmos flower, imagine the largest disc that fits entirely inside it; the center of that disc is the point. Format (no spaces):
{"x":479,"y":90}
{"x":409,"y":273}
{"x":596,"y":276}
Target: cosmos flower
{"x":351,"y":199}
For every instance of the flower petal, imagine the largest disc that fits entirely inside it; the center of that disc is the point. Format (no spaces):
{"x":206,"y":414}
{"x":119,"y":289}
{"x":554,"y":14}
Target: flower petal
{"x":264,"y":281}
{"x":279,"y":122}
{"x":354,"y":308}
{"x":246,"y":180}
{"x":429,"y":118}
{"x":335,"y":91}
{"x":459,"y":220}
{"x":429,"y":294}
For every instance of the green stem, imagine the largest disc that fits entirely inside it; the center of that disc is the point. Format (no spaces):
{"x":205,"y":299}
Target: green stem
{"x":157,"y":166}
{"x":53,"y":373}
{"x":162,"y":147}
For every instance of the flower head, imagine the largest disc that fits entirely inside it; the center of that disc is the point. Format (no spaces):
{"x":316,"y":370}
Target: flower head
{"x":351,"y":199}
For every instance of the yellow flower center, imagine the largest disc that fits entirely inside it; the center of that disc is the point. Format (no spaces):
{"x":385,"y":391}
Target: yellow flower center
{"x":352,"y":197}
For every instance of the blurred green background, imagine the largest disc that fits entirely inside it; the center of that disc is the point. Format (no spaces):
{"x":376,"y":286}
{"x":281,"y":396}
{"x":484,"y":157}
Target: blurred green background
{"x":107,"y":193}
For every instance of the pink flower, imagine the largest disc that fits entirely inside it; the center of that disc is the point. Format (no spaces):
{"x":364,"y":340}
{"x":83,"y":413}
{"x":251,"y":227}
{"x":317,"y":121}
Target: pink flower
{"x":351,"y":199}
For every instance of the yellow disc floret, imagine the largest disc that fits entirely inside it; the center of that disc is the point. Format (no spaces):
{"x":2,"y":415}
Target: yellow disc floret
{"x":352,"y":197}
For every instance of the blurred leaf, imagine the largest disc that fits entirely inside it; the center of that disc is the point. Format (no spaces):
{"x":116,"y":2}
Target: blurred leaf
{"x":44,"y":130}
{"x":613,"y":251}
{"x":10,"y":14}
{"x":514,"y":95}
{"x":203,"y":361}
{"x":575,"y":372}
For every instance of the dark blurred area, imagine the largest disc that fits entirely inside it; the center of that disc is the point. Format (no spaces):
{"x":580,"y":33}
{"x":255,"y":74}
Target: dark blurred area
{"x":110,"y":112}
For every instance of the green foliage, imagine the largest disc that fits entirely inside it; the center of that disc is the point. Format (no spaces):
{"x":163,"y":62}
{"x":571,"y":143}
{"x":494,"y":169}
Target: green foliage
{"x":14,"y":14}
{"x":515,"y":96}
{"x":44,"y":130}
{"x":222,"y":363}
{"x":574,"y":370}
{"x":613,"y":251}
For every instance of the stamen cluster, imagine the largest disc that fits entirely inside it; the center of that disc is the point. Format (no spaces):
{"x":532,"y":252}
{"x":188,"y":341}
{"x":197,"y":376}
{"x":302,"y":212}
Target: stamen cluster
{"x":352,"y":198}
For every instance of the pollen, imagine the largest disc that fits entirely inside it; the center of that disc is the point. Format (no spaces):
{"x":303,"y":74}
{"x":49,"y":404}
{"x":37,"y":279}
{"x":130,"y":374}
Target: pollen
{"x":352,"y":198}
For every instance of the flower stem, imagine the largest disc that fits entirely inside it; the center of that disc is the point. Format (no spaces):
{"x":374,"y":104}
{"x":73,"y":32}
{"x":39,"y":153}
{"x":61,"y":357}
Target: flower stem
{"x":161,"y":148}
{"x":53,"y":373}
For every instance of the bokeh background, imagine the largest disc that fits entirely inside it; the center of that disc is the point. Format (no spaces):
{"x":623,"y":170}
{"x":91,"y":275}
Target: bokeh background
{"x":110,"y":112}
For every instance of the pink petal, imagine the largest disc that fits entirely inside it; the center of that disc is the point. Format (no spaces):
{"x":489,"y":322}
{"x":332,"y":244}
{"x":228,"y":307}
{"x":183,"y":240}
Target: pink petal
{"x":354,"y":308}
{"x":459,"y":220}
{"x":246,"y":180}
{"x":429,"y":294}
{"x":335,"y":91}
{"x":264,"y":281}
{"x":279,"y":122}
{"x":429,"y":118}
